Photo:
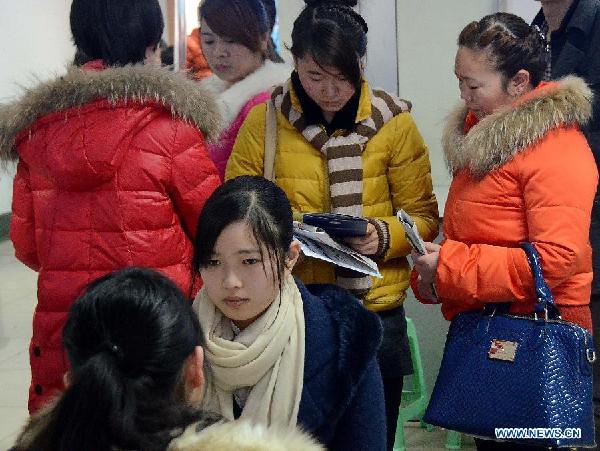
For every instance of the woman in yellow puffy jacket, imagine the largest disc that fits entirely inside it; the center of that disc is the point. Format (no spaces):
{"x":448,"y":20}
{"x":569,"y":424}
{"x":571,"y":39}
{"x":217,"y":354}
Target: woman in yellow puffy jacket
{"x":343,"y":147}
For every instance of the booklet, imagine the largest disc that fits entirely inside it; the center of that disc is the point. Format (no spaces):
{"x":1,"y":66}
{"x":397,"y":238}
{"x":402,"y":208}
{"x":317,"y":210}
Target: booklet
{"x":412,"y":233}
{"x":316,"y":243}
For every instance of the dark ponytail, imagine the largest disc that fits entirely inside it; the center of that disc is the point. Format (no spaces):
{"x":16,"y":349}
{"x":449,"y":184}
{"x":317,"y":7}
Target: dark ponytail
{"x":511,"y":45}
{"x":333,"y":34}
{"x":127,"y":340}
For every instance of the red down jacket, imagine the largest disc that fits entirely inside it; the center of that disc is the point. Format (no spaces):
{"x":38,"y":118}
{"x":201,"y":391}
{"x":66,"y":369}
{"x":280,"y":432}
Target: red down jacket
{"x":112,"y":172}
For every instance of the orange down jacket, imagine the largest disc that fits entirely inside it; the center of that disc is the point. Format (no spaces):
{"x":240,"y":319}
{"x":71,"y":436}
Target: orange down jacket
{"x":525,"y":173}
{"x":112,"y":172}
{"x":195,"y":61}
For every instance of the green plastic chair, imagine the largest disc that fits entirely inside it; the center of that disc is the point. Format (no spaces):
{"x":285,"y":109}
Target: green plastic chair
{"x":453,"y":440}
{"x":415,"y":399}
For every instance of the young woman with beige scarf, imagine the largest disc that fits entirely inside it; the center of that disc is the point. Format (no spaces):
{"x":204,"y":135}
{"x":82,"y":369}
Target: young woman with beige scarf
{"x":281,"y":353}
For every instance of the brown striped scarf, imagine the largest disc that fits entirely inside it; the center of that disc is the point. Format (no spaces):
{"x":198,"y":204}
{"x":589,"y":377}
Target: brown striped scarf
{"x":344,"y":160}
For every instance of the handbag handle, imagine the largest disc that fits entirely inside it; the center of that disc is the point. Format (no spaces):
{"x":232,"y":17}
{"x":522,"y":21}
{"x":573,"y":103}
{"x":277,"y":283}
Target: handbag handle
{"x":545,"y":300}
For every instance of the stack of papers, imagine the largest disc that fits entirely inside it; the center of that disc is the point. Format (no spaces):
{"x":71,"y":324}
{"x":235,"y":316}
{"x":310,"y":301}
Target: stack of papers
{"x":316,"y":243}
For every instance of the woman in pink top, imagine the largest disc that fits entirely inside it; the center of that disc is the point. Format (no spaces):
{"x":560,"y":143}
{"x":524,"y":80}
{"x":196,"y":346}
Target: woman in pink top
{"x":236,"y":42}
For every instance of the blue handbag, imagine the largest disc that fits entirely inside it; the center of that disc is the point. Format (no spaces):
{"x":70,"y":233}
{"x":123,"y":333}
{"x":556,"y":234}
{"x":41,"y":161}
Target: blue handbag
{"x":529,"y":373}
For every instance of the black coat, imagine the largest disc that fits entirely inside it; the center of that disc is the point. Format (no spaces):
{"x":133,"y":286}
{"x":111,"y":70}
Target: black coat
{"x":342,"y":402}
{"x":580,"y":56}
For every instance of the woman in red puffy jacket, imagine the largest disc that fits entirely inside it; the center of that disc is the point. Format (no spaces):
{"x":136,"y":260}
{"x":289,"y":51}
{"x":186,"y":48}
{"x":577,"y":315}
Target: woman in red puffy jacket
{"x":112,"y":170}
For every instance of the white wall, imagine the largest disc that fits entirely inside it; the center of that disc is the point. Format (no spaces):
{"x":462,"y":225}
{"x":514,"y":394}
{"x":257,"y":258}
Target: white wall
{"x":527,"y":9}
{"x":287,"y":11}
{"x":427,"y":34}
{"x":36,"y":43}
{"x":382,"y":58}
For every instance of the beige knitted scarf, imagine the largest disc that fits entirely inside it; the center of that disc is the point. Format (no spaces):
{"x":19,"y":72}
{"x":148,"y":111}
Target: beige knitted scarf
{"x":267,"y":357}
{"x":344,"y":159}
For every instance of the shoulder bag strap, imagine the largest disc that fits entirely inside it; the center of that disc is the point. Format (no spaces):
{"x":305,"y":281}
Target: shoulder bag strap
{"x":270,"y":141}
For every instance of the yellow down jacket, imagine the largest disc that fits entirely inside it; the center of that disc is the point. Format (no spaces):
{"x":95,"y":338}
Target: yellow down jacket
{"x":397,"y":174}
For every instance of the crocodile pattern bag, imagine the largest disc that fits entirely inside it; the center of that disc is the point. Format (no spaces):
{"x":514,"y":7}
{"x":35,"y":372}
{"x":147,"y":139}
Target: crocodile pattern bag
{"x":507,"y":371}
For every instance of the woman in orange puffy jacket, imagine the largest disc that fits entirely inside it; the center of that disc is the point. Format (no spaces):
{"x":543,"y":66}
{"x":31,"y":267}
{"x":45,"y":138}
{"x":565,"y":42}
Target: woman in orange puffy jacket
{"x":195,"y":61}
{"x":112,"y":170}
{"x":522,"y":171}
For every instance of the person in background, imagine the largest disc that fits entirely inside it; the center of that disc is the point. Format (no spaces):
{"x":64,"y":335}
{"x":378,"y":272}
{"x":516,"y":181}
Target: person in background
{"x":112,"y":170}
{"x":237,"y":44}
{"x":166,"y":57}
{"x":271,"y":10}
{"x":282,"y":353}
{"x":572,"y":28}
{"x":195,"y":62}
{"x":513,"y":148}
{"x":343,"y":147}
{"x":137,"y":377}
{"x":165,"y":54}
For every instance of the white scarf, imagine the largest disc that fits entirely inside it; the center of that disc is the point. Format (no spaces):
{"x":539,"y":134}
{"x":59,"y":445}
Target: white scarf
{"x":267,"y":357}
{"x":231,"y":97}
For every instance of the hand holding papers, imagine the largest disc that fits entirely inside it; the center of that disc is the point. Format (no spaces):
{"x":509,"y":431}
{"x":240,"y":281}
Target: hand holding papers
{"x":412,"y":233}
{"x":414,"y":238}
{"x":316,"y":243}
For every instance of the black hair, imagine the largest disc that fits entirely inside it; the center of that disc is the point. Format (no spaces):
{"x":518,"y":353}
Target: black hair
{"x":255,"y":200}
{"x":333,"y":34}
{"x":127,"y":339}
{"x":271,"y":10}
{"x":80,"y":58}
{"x":116,"y":31}
{"x":166,"y":57}
{"x":511,"y":45}
{"x":243,"y":21}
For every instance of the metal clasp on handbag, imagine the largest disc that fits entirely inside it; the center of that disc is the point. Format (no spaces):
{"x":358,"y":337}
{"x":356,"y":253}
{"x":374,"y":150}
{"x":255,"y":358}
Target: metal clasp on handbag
{"x":546,"y":317}
{"x":591,"y":355}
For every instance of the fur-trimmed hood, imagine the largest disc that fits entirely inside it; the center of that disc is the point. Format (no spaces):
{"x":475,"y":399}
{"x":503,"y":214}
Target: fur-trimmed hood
{"x":233,"y":97}
{"x":137,"y":83}
{"x":238,"y":435}
{"x":499,"y":137}
{"x":242,"y":435}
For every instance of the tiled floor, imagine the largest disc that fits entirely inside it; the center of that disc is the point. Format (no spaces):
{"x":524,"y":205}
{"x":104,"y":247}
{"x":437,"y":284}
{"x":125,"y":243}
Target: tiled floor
{"x":17,"y":300}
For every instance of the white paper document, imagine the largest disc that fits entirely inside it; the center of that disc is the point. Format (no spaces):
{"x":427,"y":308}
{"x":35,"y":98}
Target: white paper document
{"x":318,"y":244}
{"x":412,"y":233}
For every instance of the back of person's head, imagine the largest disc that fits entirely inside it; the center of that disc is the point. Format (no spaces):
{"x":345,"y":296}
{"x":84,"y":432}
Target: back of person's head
{"x":116,"y":31}
{"x":510,"y":43}
{"x":127,"y":339}
{"x":271,"y":10}
{"x":247,"y":22}
{"x":167,"y":57}
{"x":258,"y":202}
{"x":333,"y":34}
